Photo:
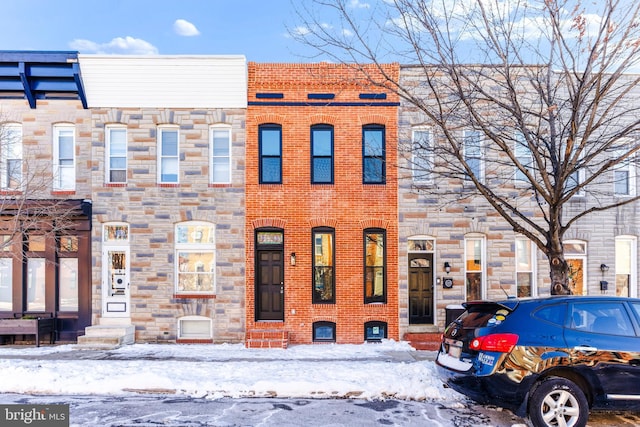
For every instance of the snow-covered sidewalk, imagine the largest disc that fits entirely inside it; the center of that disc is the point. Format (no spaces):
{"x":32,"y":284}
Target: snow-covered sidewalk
{"x":366,"y":371}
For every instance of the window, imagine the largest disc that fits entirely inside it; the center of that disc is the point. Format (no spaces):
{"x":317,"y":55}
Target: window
{"x":625,"y":266}
{"x":194,"y":327}
{"x":624,"y":176}
{"x":324,"y":332}
{"x":195,"y":258}
{"x":220,"y":149}
{"x":116,"y":149}
{"x":323,"y":264}
{"x":421,"y":155}
{"x":375,"y":331}
{"x":474,"y":267}
{"x":6,"y":274}
{"x":11,"y":156}
{"x":525,"y":263}
{"x":64,"y":168}
{"x":524,"y":157}
{"x":610,"y":318}
{"x":168,"y":160}
{"x":322,"y":154}
{"x":575,"y":253}
{"x":270,"y":154}
{"x":472,"y":150}
{"x":373,"y":151}
{"x":375,"y":275}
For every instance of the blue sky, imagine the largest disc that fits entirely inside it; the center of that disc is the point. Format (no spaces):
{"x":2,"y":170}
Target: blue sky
{"x":254,"y":28}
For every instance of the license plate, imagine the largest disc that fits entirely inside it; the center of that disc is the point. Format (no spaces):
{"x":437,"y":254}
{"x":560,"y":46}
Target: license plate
{"x":454,"y":348}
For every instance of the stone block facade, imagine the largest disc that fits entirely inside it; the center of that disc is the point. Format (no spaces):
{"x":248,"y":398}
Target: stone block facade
{"x":152,"y":209}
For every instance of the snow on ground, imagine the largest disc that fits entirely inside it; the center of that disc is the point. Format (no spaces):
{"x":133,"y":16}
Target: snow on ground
{"x":367,"y":371}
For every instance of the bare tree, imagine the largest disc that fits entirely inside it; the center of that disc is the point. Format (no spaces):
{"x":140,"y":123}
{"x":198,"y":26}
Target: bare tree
{"x":531,"y":100}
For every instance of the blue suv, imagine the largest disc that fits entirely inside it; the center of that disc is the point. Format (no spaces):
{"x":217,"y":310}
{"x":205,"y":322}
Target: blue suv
{"x":551,"y":359}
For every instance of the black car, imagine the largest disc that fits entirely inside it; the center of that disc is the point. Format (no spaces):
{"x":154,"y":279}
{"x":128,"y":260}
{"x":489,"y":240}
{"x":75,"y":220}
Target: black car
{"x":551,"y":359}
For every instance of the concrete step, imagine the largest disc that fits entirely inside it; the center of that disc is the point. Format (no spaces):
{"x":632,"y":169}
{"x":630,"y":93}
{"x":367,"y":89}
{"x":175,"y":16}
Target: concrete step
{"x":106,"y":336}
{"x":107,"y":330}
{"x":267,"y":338}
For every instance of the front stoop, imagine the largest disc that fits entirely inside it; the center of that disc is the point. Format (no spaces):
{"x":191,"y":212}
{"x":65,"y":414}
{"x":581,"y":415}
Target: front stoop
{"x":424,"y":340}
{"x":267,"y":338}
{"x":106,"y":337}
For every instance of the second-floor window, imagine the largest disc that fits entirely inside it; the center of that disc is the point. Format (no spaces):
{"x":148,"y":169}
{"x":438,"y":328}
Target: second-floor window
{"x":11,"y":156}
{"x":116,"y":150}
{"x":220,"y":149}
{"x":64,"y":167}
{"x":375,"y":280}
{"x":169,"y":156}
{"x":270,"y":154}
{"x":421,"y":155}
{"x":624,"y":177}
{"x":322,"y":154}
{"x":472,"y":150}
{"x":373,"y":154}
{"x":524,"y":156}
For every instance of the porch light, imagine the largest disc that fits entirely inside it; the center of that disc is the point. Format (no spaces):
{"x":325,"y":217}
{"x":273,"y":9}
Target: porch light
{"x":604,"y":268}
{"x":447,"y":267}
{"x":292,"y":258}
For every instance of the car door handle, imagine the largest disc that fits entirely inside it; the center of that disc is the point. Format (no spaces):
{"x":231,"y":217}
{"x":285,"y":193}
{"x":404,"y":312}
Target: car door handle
{"x":585,"y":348}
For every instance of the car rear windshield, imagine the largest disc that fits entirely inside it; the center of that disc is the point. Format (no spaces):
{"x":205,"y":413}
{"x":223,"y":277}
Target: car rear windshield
{"x":482,"y":315}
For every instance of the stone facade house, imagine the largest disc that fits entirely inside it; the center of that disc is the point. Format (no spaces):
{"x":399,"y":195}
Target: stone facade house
{"x":167,"y":173}
{"x":451,"y":253}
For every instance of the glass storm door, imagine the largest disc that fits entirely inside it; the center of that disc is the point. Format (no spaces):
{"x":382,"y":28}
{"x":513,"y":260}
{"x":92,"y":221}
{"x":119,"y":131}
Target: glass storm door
{"x":115,"y":284}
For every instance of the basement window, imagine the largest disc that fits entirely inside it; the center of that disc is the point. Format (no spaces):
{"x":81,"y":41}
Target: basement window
{"x":375,"y":331}
{"x":194,"y":327}
{"x":324,"y":332}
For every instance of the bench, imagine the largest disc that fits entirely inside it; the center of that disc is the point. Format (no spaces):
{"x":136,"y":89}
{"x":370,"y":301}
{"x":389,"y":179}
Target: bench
{"x":37,"y":327}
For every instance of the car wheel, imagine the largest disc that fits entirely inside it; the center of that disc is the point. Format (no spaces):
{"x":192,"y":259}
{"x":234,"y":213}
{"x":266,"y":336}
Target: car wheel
{"x":558,"y":402}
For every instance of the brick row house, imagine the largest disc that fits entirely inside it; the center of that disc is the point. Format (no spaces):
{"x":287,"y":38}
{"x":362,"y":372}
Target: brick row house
{"x":321,"y":214}
{"x":203,"y":199}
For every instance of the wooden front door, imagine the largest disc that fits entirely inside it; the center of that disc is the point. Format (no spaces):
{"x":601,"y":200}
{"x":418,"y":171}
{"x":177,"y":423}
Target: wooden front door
{"x":270,"y":285}
{"x":421,"y":288}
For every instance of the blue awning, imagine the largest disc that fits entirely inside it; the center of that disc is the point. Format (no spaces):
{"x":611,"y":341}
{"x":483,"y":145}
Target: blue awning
{"x":41,"y":75}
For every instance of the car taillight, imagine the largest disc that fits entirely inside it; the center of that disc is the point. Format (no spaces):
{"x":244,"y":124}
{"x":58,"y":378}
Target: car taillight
{"x":502,"y":343}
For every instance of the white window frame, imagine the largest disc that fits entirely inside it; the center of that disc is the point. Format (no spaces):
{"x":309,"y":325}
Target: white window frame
{"x":465,"y":139}
{"x":161,"y":156}
{"x":531,"y":260}
{"x":627,"y":166}
{"x":11,"y":149}
{"x":627,"y":266}
{"x":421,"y":166}
{"x":193,"y":247}
{"x":222,"y":158}
{"x":193,"y":320}
{"x":474,"y":237}
{"x":108,"y":154}
{"x":522,"y":152}
{"x":59,"y":182}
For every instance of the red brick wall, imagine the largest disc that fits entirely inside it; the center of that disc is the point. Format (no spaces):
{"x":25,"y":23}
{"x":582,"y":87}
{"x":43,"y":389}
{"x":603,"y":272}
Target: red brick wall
{"x":346,"y":205}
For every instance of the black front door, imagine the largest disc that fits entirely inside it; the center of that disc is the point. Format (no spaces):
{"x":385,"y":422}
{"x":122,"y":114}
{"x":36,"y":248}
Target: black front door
{"x":270,"y":285}
{"x":420,"y":288}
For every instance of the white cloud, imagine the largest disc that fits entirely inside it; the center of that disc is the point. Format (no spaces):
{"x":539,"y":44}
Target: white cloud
{"x":185,"y":28}
{"x":357,"y":4}
{"x":119,"y":45}
{"x":301,"y":31}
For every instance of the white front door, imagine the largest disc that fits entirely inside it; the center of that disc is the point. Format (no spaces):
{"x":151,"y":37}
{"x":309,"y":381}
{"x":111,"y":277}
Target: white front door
{"x":115,"y":282}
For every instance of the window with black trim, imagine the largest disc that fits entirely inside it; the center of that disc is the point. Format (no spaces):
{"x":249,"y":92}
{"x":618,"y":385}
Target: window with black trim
{"x":322,"y":154}
{"x":375,"y":331}
{"x":323,"y":266}
{"x":270,"y":141}
{"x":324,"y":331}
{"x":373,"y":154}
{"x":375,"y":275}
